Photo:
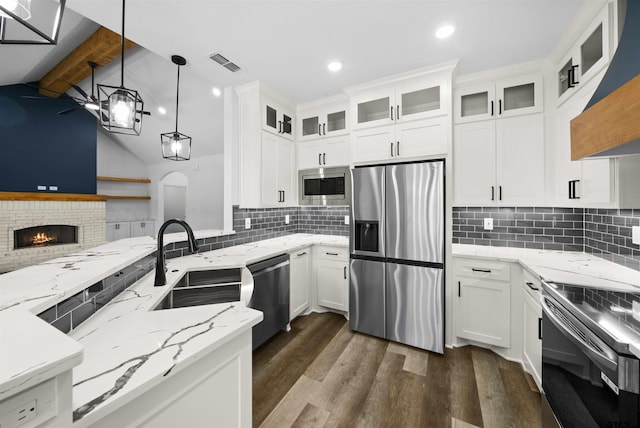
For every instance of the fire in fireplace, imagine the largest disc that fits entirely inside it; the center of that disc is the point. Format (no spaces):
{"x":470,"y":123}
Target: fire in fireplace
{"x":40,"y":236}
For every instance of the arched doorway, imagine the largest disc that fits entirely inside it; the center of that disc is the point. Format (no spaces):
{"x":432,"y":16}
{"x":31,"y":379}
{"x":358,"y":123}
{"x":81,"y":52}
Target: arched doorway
{"x":173,"y":198}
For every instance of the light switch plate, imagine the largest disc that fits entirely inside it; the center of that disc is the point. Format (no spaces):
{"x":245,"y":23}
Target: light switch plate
{"x":286,"y":219}
{"x":488,"y":223}
{"x":346,"y":219}
{"x":635,"y":310}
{"x":247,"y":223}
{"x":635,"y":235}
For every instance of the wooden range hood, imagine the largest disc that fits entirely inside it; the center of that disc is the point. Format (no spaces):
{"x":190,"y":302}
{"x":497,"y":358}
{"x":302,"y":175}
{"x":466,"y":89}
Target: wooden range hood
{"x":610,"y":124}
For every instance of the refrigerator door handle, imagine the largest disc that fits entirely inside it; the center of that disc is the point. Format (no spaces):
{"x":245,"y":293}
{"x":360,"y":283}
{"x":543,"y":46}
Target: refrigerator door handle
{"x":458,"y":288}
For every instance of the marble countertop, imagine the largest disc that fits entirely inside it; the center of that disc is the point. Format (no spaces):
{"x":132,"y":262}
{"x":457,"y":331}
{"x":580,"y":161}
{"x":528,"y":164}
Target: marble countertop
{"x":128,"y":348}
{"x":561,"y":266}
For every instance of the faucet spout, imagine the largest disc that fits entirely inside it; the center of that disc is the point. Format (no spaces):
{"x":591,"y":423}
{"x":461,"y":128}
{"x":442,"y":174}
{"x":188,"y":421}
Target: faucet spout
{"x":161,"y":278}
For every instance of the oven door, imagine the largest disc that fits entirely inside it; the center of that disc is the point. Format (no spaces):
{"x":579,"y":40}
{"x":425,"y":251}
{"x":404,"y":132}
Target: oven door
{"x":581,"y":374}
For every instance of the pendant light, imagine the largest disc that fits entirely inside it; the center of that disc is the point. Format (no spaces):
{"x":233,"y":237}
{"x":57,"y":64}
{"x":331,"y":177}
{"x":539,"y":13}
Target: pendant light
{"x":123,"y":108}
{"x":175,"y":145}
{"x":18,"y":28}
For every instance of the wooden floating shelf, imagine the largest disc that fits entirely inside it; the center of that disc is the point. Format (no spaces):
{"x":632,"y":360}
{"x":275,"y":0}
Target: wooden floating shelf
{"x":139,"y":198}
{"x":33,"y":196}
{"x":123,"y":179}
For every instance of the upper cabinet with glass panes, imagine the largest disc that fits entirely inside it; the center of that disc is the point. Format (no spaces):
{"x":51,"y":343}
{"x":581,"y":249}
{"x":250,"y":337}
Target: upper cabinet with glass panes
{"x":588,"y":55}
{"x":500,"y":98}
{"x":401,"y":101}
{"x":323,"y":118}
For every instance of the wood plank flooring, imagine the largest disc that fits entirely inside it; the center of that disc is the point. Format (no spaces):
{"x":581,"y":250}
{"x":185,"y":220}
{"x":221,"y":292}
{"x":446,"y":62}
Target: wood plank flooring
{"x":321,"y":374}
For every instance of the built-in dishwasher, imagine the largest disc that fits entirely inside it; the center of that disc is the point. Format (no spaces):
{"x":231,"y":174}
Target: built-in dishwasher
{"x":270,"y":296}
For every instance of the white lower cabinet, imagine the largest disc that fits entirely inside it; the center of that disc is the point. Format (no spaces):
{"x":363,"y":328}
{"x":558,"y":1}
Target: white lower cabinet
{"x":118,"y":230}
{"x":332,"y":285}
{"x":300,"y":281}
{"x":483,"y":301}
{"x":142,"y":228}
{"x":532,"y":320}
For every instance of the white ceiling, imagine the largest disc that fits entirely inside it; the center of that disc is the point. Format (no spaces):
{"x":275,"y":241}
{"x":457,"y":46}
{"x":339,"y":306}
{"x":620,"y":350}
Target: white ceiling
{"x":286,"y":44}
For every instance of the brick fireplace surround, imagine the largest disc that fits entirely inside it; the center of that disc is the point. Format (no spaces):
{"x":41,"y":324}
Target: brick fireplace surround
{"x":87,"y":215}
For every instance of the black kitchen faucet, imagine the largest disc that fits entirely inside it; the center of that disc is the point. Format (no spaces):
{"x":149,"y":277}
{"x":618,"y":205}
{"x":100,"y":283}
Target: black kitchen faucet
{"x":161,"y":278}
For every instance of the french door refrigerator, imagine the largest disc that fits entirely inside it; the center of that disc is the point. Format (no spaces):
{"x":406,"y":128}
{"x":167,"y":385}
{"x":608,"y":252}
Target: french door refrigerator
{"x":396,"y":286}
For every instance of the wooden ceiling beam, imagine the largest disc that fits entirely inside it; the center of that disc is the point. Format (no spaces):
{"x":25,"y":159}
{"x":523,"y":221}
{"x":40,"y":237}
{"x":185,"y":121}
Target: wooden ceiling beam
{"x":101,"y":47}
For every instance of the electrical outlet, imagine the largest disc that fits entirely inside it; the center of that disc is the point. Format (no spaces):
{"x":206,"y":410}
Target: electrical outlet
{"x":247,"y":223}
{"x":635,"y":310}
{"x":20,"y":415}
{"x":635,"y":235}
{"x":488,"y":223}
{"x":286,"y":219}
{"x":346,"y":219}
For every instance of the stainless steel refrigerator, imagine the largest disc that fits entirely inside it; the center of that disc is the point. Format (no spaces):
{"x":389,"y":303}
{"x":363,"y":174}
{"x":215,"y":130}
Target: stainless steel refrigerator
{"x":396,"y":286}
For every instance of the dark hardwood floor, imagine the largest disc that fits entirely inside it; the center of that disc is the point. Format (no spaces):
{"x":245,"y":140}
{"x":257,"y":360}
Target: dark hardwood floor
{"x":321,"y":374}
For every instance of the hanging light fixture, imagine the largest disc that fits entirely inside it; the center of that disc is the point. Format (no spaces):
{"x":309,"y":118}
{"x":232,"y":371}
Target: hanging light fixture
{"x":123,"y":108}
{"x":175,"y":145}
{"x":22,"y":24}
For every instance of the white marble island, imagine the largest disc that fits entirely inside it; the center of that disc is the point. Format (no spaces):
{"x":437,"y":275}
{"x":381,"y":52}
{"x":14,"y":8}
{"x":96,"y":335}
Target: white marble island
{"x":138,"y":364}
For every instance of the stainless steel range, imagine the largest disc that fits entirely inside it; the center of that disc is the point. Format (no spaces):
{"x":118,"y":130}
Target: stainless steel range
{"x":589,"y":376}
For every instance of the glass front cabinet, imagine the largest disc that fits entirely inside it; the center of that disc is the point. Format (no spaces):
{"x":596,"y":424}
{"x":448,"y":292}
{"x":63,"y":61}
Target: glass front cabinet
{"x":322,"y":122}
{"x":277,"y":119}
{"x":587,"y":57}
{"x":502,"y":98}
{"x":402,"y":103}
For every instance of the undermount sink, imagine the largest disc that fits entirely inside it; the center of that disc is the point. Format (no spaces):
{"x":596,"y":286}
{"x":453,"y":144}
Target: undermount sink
{"x":206,"y":287}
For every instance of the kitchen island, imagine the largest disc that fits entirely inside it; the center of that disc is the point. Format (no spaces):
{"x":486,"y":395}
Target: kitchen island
{"x":137,"y":361}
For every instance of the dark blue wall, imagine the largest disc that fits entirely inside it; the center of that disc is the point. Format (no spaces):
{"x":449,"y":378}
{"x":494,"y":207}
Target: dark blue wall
{"x":40,"y":147}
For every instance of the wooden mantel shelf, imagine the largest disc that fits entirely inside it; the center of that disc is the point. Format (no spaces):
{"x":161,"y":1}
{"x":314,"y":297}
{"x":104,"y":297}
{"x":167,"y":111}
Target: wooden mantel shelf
{"x":123,"y":179}
{"x":33,"y":196}
{"x":139,"y":198}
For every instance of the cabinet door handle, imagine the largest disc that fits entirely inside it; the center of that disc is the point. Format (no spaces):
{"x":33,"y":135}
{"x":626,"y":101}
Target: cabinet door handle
{"x":345,"y":272}
{"x":391,"y":149}
{"x":572,"y":189}
{"x":301,"y":254}
{"x":319,"y":129}
{"x":324,"y":129}
{"x":284,"y":196}
{"x":499,"y":107}
{"x":571,"y":76}
{"x":279,"y":127}
{"x":458,"y":288}
{"x":391,"y":112}
{"x":530,"y":285}
{"x":332,"y":254}
{"x":319,"y":158}
{"x":398,"y":112}
{"x":324,"y":159}
{"x":398,"y":148}
{"x":493,"y":191}
{"x":481,"y":270}
{"x":540,"y":328}
{"x":491,"y":108}
{"x":499,"y":193}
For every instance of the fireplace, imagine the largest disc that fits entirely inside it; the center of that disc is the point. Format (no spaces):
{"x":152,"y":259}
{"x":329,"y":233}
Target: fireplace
{"x":43,"y":236}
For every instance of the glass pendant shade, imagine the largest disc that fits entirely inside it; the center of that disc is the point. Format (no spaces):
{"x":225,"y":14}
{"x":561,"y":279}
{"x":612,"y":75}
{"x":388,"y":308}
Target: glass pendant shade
{"x":175,"y":146}
{"x":26,"y":22}
{"x":122,"y":109}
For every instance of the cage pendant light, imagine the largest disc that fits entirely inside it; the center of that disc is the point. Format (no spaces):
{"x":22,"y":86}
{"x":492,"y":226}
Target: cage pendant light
{"x":122,"y":108}
{"x":175,"y":145}
{"x":23,"y":23}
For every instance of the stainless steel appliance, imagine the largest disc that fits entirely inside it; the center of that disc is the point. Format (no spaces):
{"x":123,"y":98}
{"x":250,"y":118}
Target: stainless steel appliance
{"x":589,"y":376}
{"x":396,"y":285}
{"x":271,"y":296}
{"x":325,"y":186}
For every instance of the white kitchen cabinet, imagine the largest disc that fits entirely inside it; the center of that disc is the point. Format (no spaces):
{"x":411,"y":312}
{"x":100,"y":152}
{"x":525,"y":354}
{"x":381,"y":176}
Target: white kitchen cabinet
{"x":278,"y":172}
{"x":332,"y":285}
{"x":142,"y":228}
{"x":326,"y":153}
{"x":499,"y":161}
{"x":324,"y":118}
{"x":277,"y":118}
{"x":588,"y":55}
{"x":532,"y":326}
{"x":401,"y":142}
{"x":266,"y":160}
{"x":300,"y":281}
{"x":507,"y":97}
{"x":482,"y":302}
{"x":118,"y":230}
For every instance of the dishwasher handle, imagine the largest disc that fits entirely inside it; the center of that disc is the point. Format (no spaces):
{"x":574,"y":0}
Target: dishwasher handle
{"x":274,"y":262}
{"x":270,"y":268}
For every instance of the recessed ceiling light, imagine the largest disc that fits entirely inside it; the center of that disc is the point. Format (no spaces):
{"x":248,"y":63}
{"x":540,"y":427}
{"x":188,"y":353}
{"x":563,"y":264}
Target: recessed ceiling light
{"x":334,"y":66}
{"x":162,"y":110}
{"x":445,"y":30}
{"x":216,"y":92}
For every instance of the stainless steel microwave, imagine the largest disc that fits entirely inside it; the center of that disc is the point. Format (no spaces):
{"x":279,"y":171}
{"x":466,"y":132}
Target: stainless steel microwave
{"x":325,"y":186}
